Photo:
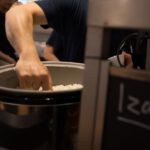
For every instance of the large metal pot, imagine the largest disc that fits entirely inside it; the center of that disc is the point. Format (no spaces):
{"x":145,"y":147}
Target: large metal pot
{"x":27,"y":108}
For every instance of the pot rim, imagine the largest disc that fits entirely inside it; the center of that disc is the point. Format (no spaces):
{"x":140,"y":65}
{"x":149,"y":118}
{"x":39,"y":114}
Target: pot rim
{"x":23,"y":96}
{"x":46,"y":63}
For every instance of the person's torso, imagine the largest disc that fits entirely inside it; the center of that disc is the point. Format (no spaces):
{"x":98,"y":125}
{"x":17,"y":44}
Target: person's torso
{"x":5,"y":46}
{"x":68,"y":18}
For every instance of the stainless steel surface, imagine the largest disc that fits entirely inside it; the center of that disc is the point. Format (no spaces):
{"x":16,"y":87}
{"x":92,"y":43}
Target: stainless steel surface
{"x":134,"y":74}
{"x":61,"y":72}
{"x":101,"y":105}
{"x":88,"y":107}
{"x":119,"y":13}
{"x":105,"y":14}
{"x":23,"y":114}
{"x":94,"y":42}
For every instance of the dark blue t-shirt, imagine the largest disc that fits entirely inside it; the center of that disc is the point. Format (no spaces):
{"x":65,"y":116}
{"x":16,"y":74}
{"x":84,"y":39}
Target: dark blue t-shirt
{"x":5,"y":46}
{"x":57,"y":42}
{"x":68,"y":18}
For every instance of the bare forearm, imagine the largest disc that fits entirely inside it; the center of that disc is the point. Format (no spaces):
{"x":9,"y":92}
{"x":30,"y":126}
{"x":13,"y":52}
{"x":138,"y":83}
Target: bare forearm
{"x":51,"y":57}
{"x":49,"y":54}
{"x":19,"y":31}
{"x":6,"y":58}
{"x":19,"y":26}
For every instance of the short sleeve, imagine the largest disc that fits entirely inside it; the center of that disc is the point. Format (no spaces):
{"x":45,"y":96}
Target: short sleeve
{"x":51,"y":9}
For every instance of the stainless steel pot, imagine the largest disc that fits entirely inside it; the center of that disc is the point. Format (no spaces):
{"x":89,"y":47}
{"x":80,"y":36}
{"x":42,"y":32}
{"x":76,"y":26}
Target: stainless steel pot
{"x":26,"y":108}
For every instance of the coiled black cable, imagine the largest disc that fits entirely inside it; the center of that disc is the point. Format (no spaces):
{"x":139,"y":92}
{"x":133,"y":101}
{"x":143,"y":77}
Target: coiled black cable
{"x":129,"y":41}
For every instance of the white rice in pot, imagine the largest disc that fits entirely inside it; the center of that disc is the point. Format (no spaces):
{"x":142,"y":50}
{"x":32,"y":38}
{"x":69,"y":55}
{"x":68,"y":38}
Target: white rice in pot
{"x":65,"y":87}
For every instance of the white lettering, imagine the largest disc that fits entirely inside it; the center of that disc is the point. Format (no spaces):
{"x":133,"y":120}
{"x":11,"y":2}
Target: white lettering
{"x":131,"y":106}
{"x":145,"y":109}
{"x":135,"y":106}
{"x":133,"y":122}
{"x":121,"y":95}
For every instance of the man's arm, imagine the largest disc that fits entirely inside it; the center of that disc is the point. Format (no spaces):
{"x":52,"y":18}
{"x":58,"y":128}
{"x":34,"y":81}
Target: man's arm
{"x":49,"y":53}
{"x":19,"y":29}
{"x":7,"y":58}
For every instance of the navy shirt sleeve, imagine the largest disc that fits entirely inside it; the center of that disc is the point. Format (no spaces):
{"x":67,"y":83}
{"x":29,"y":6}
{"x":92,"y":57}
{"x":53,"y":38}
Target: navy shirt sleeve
{"x":63,"y":15}
{"x":56,"y":41}
{"x":50,"y":10}
{"x":68,"y":18}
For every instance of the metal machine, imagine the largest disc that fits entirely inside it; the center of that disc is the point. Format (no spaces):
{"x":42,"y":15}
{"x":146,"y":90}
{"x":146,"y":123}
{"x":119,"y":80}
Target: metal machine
{"x":115,"y":103}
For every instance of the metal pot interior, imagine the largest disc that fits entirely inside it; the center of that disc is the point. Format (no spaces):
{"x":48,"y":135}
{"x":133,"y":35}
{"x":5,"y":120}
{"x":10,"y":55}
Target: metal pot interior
{"x":62,"y":73}
{"x":26,"y":108}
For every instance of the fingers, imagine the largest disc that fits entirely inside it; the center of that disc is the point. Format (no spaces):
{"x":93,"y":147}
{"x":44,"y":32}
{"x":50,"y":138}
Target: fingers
{"x":46,"y":83}
{"x":35,"y":82}
{"x":128,"y":60}
{"x":24,"y":82}
{"x":34,"y":78}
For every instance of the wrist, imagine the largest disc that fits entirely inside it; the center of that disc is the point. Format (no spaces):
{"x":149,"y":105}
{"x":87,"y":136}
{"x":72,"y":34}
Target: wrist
{"x":29,"y":54}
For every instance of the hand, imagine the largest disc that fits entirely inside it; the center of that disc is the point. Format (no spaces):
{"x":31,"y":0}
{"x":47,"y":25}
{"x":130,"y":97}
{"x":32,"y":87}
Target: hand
{"x":33,"y":74}
{"x":128,"y":60}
